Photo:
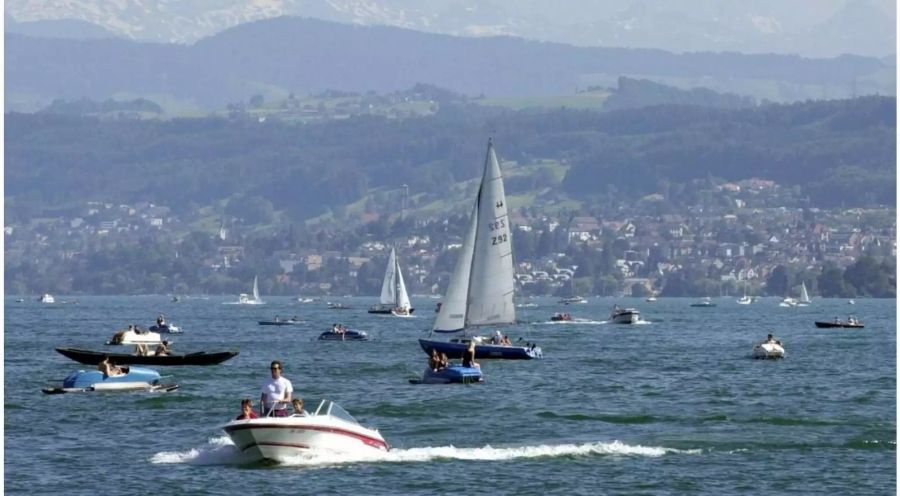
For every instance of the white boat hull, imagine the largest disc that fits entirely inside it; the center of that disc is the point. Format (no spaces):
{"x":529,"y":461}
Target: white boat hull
{"x":768,"y":350}
{"x":625,"y":317}
{"x":279,"y":439}
{"x":132,"y":338}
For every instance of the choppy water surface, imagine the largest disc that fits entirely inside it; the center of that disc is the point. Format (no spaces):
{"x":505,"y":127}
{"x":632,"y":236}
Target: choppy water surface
{"x":674,"y":406}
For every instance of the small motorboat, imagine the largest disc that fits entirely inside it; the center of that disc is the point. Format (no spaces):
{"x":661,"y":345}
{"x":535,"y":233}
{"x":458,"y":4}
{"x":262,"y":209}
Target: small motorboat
{"x":329,"y":428}
{"x":165,"y":329}
{"x":621,"y":315}
{"x":561,"y":317}
{"x":851,"y":323}
{"x":851,"y":302}
{"x":133,"y":379}
{"x":46,"y":298}
{"x":345,"y":335}
{"x":132,"y":336}
{"x":338,"y":306}
{"x":768,"y":350}
{"x":175,"y":299}
{"x":279,"y":322}
{"x":704,"y":303}
{"x":650,"y":299}
{"x":300,"y":299}
{"x":90,"y":357}
{"x":573,"y":300}
{"x":454,"y":374}
{"x":788,"y":302}
{"x":483,"y":349}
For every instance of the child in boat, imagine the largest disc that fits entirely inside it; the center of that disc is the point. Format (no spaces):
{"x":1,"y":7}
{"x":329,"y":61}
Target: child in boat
{"x":298,"y":407}
{"x":246,"y":410}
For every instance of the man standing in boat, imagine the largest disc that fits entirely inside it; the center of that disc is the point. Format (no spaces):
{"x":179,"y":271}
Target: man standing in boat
{"x":276,"y":393}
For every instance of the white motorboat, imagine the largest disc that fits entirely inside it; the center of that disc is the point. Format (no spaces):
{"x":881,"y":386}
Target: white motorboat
{"x":788,"y":302}
{"x":47,"y":298}
{"x":329,"y":428}
{"x":624,"y":315}
{"x":133,"y":337}
{"x":851,"y":302}
{"x":650,"y":299}
{"x":768,"y":350}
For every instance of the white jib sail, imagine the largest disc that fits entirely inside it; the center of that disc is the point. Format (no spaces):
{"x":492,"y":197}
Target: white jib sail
{"x":452,"y":315}
{"x":402,"y":295}
{"x":256,"y":288}
{"x":804,"y":296}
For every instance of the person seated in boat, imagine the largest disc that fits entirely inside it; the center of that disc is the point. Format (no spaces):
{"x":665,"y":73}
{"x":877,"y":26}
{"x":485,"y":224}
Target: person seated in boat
{"x":506,"y":341}
{"x":445,"y":362}
{"x":400,"y":311}
{"x":108,"y":368}
{"x":468,"y":358}
{"x":117,"y":337}
{"x":140,"y":349}
{"x":246,"y":410}
{"x":770,"y":339}
{"x":295,"y":318}
{"x":298,"y":408}
{"x":277,"y":319}
{"x":161,"y":320}
{"x":162,"y":349}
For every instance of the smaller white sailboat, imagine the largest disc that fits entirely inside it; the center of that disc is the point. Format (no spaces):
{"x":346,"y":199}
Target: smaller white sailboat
{"x":394,"y":297}
{"x":804,"y":300}
{"x":745,"y":300}
{"x":245,"y":299}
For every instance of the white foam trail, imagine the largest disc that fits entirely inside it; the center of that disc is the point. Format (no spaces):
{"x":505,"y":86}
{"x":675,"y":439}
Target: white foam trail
{"x":223,"y":452}
{"x":574,"y":321}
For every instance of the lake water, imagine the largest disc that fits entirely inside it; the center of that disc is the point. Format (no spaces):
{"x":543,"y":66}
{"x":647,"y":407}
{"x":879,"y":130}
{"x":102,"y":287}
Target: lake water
{"x":671,"y":407}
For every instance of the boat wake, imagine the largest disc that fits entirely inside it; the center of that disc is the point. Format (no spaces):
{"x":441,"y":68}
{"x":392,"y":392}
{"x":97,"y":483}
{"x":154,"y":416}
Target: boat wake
{"x":221,"y":451}
{"x":571,"y":322}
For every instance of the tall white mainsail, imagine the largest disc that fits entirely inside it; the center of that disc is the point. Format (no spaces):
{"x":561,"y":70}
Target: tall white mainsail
{"x":481,"y":287}
{"x":388,"y":286}
{"x":256,"y":288}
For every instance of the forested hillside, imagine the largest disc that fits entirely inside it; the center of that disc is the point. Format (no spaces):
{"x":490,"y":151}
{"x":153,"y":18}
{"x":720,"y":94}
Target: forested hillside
{"x":839,"y":153}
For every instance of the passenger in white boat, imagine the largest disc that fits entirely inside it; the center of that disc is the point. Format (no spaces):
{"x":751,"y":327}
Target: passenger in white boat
{"x":298,"y":408}
{"x":246,"y":410}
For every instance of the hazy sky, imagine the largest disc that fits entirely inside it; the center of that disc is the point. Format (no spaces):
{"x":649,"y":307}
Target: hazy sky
{"x":809,"y":27}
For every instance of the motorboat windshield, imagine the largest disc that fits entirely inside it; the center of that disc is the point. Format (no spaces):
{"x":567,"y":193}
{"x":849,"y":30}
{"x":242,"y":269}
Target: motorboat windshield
{"x":332,"y":409}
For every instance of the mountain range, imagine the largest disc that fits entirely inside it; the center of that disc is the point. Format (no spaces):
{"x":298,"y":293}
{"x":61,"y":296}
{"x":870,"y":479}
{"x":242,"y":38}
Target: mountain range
{"x":819,"y":28}
{"x":285,"y":55}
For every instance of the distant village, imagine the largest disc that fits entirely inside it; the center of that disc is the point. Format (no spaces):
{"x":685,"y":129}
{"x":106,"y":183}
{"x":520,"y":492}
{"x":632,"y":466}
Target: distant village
{"x":735,"y":239}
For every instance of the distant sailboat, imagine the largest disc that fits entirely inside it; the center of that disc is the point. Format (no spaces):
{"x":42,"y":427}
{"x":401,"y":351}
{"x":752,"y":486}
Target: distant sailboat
{"x":245,"y":299}
{"x":804,"y":296}
{"x":394,"y":297}
{"x":481,"y":287}
{"x":745,"y":300}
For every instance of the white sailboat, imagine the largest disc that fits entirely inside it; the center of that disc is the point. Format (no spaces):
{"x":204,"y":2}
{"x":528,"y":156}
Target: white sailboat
{"x":804,"y":296}
{"x":394,"y":297}
{"x":245,"y":299}
{"x":745,"y":300}
{"x":481,"y":287}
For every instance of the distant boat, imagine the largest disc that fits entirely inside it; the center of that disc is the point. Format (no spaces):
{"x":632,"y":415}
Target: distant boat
{"x":650,"y":299}
{"x":245,"y":299}
{"x":47,"y":298}
{"x":804,"y":296}
{"x":851,"y":302}
{"x":745,"y":300}
{"x":768,"y":350}
{"x":481,"y":288}
{"x":394,"y":298}
{"x":788,"y":302}
{"x":573,"y":299}
{"x":705,"y":302}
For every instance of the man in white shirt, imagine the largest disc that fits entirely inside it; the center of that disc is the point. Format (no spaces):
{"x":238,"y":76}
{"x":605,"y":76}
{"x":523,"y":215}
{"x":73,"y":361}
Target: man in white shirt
{"x":276,"y":392}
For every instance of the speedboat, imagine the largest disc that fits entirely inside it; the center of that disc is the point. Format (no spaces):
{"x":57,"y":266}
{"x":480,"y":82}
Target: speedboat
{"x":768,"y":350}
{"x":165,"y":329}
{"x":624,"y":315}
{"x":330,"y":428}
{"x":454,"y":374}
{"x":705,"y":302}
{"x":337,"y":306}
{"x":47,"y":298}
{"x":133,"y":379}
{"x":561,"y":317}
{"x":279,"y":322}
{"x":788,"y":302}
{"x":650,"y":299}
{"x":134,"y":337}
{"x":300,"y":299}
{"x":347,"y":335}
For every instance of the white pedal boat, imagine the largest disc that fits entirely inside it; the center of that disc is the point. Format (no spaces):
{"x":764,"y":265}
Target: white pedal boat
{"x":768,"y":350}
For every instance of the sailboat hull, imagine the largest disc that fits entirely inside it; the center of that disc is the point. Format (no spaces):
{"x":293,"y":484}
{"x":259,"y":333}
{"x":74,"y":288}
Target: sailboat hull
{"x":484,"y":351}
{"x":382,"y":309}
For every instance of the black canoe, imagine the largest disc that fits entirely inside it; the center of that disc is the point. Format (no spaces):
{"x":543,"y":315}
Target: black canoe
{"x":827,"y":325}
{"x":89,"y":357}
{"x":279,"y":322}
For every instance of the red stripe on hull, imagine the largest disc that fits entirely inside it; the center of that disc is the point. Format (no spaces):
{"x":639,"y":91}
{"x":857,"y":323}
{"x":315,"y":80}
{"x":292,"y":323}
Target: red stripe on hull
{"x":376,"y":443}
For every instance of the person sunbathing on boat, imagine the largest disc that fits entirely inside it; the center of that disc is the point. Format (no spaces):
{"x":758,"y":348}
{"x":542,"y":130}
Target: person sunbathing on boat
{"x":108,"y":368}
{"x":468,"y":358}
{"x":162,"y":349}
